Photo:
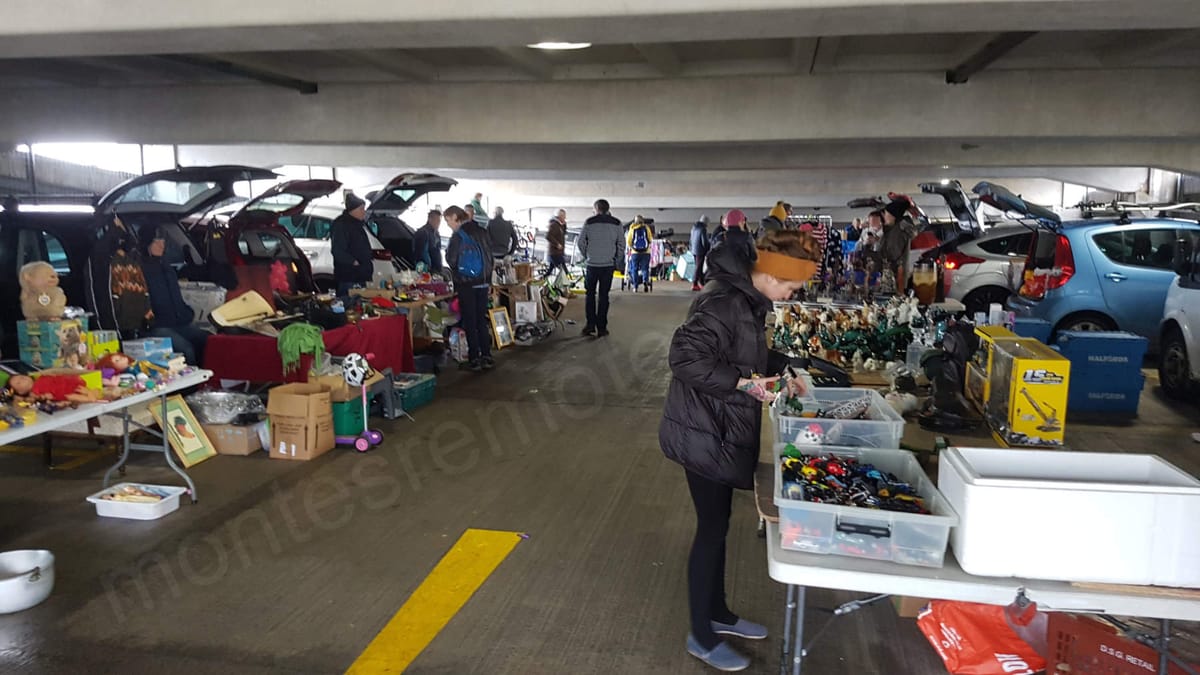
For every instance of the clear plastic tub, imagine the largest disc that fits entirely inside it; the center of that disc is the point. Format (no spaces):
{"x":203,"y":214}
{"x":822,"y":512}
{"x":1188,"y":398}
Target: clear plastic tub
{"x":905,"y":538}
{"x":138,"y":510}
{"x":883,"y":427}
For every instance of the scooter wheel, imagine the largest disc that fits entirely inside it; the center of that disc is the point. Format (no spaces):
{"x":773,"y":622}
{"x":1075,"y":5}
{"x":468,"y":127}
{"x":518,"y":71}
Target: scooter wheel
{"x":375,"y":436}
{"x":362,"y":444}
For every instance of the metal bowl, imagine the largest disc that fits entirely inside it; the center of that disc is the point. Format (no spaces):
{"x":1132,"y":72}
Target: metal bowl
{"x":26,"y":579}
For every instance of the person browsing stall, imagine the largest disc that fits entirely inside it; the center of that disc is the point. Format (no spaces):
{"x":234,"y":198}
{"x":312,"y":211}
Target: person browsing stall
{"x":721,"y":374}
{"x":556,"y":242}
{"x":427,"y":243}
{"x":602,"y":244}
{"x":502,"y":235}
{"x":172,"y":315}
{"x":470,"y":261}
{"x":895,"y":245}
{"x":734,"y":235}
{"x":351,"y":248}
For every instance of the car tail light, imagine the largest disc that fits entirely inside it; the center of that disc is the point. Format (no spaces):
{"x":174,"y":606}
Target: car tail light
{"x":1036,"y":282}
{"x":956,"y":260}
{"x":381,"y":254}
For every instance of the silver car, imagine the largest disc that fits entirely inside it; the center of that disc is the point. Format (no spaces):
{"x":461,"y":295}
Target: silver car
{"x":986,"y":270}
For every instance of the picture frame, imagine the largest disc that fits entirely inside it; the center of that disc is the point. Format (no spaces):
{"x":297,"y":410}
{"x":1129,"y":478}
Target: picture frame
{"x":184,"y":433}
{"x":527,"y":312}
{"x":501,"y":327}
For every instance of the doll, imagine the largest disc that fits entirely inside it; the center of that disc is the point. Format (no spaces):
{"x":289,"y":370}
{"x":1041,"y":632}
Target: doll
{"x":41,"y":298}
{"x":18,"y":387}
{"x":63,"y":388}
{"x":112,"y":367}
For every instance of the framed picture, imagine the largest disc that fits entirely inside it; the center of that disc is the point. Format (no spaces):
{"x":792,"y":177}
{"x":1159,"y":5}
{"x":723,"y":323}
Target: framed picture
{"x":501,"y":327}
{"x":183,"y":432}
{"x":527,"y":312}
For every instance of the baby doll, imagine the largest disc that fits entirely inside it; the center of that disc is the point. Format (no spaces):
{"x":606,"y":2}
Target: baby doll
{"x":112,"y":366}
{"x":41,"y":298}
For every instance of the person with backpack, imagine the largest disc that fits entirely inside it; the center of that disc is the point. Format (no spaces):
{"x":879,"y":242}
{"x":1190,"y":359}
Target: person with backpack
{"x":638,"y":241}
{"x":469,"y":257}
{"x":352,"y":256}
{"x":603,"y":247}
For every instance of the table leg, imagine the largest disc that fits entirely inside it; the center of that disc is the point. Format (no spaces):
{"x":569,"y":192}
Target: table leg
{"x":789,"y":610}
{"x":798,"y":643}
{"x":1164,"y":645}
{"x":46,"y":451}
{"x":124,"y":447}
{"x":169,"y":453}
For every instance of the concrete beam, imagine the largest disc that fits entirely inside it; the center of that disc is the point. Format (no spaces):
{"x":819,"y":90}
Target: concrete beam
{"x":527,"y":61}
{"x":661,"y":56}
{"x":804,"y":54}
{"x":1052,"y":105}
{"x":825,"y":55}
{"x":394,"y":62}
{"x":242,"y":68}
{"x":986,"y":56}
{"x":86,"y":27}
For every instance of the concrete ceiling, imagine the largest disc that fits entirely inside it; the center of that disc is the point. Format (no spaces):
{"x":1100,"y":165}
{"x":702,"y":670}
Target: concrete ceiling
{"x":679,"y":99}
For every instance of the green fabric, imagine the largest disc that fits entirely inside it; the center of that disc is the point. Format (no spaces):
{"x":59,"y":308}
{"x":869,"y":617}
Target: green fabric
{"x":296,"y":340}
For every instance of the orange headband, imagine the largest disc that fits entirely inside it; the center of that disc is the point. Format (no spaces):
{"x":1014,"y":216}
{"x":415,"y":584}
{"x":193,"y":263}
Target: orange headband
{"x":784,"y":267}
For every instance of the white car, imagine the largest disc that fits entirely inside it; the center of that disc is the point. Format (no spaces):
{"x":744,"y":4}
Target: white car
{"x":1179,"y":365}
{"x":984,"y":270}
{"x":311,"y":230}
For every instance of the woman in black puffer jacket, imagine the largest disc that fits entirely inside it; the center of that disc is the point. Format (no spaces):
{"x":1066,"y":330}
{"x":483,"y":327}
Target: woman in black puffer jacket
{"x":713,"y":415}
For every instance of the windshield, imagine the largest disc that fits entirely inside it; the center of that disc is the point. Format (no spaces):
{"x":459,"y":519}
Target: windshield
{"x":169,"y":195}
{"x":277,"y":203}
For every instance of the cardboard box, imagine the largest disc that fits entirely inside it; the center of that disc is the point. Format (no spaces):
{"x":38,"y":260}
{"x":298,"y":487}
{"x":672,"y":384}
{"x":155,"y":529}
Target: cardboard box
{"x":103,"y":342}
{"x":233,"y":440}
{"x":1027,"y":393}
{"x":147,"y":349}
{"x":908,"y":607}
{"x":301,"y":421}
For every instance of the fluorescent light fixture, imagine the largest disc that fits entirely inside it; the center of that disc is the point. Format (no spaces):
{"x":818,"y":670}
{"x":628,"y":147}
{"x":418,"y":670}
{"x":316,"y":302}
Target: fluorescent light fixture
{"x":559,"y":46}
{"x":945,"y":181}
{"x":945,"y":166}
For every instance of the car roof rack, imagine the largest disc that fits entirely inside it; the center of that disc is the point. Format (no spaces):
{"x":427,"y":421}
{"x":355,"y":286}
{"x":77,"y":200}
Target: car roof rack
{"x":1121,"y":209}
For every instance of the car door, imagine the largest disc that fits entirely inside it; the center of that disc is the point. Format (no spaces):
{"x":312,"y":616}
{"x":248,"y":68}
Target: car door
{"x":1134,"y":270}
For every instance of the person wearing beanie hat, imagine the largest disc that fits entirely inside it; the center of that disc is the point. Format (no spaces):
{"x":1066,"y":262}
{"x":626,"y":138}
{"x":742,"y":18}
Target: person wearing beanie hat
{"x":734,"y":234}
{"x":351,"y":248}
{"x":721,"y":374}
{"x":776,"y":218}
{"x":699,"y":248}
{"x":895,"y":245}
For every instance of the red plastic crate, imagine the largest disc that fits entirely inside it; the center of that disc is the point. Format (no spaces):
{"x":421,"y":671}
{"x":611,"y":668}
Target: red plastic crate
{"x":1081,"y":645}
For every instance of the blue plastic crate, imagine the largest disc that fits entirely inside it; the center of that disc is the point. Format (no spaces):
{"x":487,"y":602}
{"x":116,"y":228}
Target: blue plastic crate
{"x":1106,"y":371}
{"x":1107,"y":351}
{"x":1105,"y":395}
{"x":1038,"y":329}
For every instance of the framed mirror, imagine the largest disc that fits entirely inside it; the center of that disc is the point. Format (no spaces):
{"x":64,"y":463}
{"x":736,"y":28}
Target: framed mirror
{"x":501,"y":327}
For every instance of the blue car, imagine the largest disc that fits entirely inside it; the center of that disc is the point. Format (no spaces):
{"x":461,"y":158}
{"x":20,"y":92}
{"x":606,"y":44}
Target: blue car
{"x":1098,"y":274}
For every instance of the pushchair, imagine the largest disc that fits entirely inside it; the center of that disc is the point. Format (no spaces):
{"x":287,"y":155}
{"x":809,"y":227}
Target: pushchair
{"x":630,"y":274}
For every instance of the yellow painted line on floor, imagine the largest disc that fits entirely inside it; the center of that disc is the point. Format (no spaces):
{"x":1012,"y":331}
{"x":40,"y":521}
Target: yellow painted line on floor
{"x":443,"y":593}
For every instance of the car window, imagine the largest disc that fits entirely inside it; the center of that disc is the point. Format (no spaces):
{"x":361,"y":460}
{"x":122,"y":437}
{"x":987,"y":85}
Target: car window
{"x":1015,"y":245}
{"x":1153,"y":248}
{"x":170,"y":193}
{"x":34,"y":245}
{"x":318,"y":228}
{"x":293,"y":224}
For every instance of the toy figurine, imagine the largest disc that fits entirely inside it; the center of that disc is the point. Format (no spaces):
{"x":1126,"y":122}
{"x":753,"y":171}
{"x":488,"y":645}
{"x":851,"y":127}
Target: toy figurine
{"x":19,"y":387}
{"x":41,"y":298}
{"x":857,"y":361}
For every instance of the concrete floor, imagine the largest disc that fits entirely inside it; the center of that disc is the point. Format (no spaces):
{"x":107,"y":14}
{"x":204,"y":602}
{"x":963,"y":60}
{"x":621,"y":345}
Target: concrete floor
{"x":294,"y":567}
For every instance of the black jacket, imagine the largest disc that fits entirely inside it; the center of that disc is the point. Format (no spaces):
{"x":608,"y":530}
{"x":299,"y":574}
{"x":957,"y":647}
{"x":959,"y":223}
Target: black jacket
{"x":454,"y":251}
{"x":708,"y":426}
{"x":736,"y":238}
{"x":170,"y":309}
{"x":503,"y":236}
{"x":427,"y":248}
{"x":699,"y":243}
{"x":350,"y":244}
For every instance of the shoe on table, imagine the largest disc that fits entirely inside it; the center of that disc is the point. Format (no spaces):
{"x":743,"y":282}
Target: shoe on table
{"x":487,"y":362}
{"x":603,"y":332}
{"x":722,"y":657}
{"x":589,"y":330}
{"x":743,"y":629}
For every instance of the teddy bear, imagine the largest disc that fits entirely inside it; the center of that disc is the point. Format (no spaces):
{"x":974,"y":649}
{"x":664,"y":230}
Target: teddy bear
{"x":41,"y":298}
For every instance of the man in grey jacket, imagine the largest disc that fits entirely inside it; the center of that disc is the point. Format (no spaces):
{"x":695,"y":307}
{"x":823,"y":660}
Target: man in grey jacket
{"x":602,"y":244}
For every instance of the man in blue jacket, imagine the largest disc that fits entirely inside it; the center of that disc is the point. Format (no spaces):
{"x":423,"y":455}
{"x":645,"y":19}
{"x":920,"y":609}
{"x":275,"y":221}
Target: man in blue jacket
{"x":602,"y":244}
{"x":699,"y":250}
{"x":427,"y":243}
{"x":172,"y":315}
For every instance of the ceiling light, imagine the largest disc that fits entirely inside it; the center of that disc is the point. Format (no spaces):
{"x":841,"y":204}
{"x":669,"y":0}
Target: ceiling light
{"x":559,"y":46}
{"x":945,"y":166}
{"x":945,"y":181}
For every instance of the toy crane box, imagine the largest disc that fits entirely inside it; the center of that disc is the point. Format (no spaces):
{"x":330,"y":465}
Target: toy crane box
{"x":980,"y":366}
{"x":1027,"y":393}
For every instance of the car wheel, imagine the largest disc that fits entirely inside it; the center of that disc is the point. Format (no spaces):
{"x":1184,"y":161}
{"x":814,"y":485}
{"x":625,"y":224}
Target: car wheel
{"x":1086,"y":322}
{"x":1174,"y":371}
{"x":980,"y":299}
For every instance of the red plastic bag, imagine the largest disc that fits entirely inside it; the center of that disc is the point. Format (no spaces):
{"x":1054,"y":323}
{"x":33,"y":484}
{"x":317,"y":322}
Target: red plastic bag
{"x":975,"y":639}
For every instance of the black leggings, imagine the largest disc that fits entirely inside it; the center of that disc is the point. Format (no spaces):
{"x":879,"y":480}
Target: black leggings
{"x":706,"y":563}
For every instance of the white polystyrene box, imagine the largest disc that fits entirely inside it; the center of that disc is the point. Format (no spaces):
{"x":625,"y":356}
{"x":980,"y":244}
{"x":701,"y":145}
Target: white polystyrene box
{"x":1073,"y":516}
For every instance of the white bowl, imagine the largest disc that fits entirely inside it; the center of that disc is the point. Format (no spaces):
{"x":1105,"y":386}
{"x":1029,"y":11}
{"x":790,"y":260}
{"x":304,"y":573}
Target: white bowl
{"x":26,"y":579}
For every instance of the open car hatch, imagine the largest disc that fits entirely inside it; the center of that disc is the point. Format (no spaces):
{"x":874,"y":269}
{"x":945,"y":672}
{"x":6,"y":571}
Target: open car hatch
{"x":286,"y":199}
{"x":1003,"y":199}
{"x":403,"y":190}
{"x":961,"y":206}
{"x":179,"y":192}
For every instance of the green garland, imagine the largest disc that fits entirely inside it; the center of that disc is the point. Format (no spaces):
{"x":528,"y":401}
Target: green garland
{"x":296,"y":340}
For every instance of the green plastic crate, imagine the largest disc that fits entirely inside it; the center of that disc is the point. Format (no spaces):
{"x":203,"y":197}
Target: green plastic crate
{"x":414,"y":390}
{"x":348,"y":418}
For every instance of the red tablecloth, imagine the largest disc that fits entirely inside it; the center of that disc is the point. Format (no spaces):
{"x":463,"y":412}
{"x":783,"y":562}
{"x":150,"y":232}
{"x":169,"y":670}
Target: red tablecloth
{"x":256,"y":357}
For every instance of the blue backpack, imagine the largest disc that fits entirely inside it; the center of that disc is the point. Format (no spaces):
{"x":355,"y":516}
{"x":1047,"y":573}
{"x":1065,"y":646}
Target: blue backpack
{"x":470,"y":258}
{"x":641,"y":238}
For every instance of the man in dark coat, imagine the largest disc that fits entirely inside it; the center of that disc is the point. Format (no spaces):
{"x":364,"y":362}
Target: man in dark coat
{"x":896,"y":244}
{"x":172,"y":315}
{"x":502,"y":234}
{"x":699,"y":246}
{"x":352,"y":257}
{"x":427,"y":243}
{"x":734,"y":234}
{"x":556,"y":242}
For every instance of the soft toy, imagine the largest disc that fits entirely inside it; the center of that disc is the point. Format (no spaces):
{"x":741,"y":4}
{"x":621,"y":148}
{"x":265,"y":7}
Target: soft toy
{"x":58,"y":388}
{"x":41,"y":298}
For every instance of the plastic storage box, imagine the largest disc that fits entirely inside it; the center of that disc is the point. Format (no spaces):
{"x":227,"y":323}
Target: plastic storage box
{"x":882,"y":428}
{"x":414,"y":390}
{"x":1107,"y":371}
{"x":137,"y":510}
{"x":906,"y":538}
{"x":1073,"y":516}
